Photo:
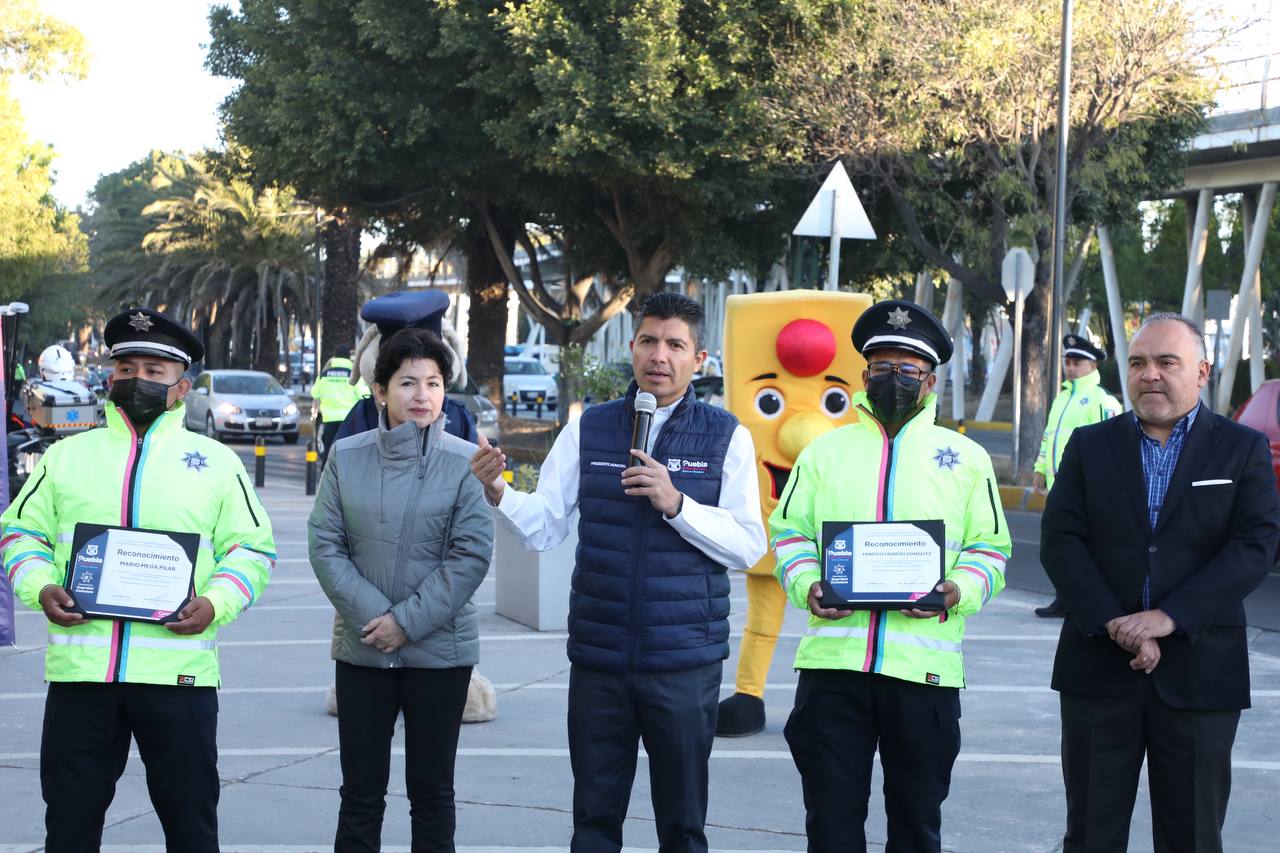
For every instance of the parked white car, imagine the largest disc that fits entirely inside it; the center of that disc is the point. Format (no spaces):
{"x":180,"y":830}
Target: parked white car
{"x":241,"y":402}
{"x":525,"y":380}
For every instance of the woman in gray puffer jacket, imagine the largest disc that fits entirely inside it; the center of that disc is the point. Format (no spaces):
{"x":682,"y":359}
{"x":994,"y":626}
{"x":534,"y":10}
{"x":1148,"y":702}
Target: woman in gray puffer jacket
{"x":400,"y":539}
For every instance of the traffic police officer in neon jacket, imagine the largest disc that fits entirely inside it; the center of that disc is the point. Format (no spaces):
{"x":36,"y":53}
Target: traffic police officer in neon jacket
{"x":1081,"y":402}
{"x":886,"y":679}
{"x":111,"y":679}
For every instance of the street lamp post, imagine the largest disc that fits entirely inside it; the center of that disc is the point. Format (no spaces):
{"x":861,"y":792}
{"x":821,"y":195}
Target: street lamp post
{"x":315,"y":318}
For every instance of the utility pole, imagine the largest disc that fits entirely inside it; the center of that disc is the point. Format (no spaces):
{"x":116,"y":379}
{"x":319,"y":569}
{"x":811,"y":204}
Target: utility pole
{"x":315,"y":318}
{"x":1057,"y":310}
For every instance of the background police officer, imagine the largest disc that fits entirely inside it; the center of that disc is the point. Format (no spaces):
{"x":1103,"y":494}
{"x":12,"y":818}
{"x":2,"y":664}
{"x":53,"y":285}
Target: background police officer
{"x":886,"y":680}
{"x":112,"y":680}
{"x":333,"y":396}
{"x":1081,"y":401}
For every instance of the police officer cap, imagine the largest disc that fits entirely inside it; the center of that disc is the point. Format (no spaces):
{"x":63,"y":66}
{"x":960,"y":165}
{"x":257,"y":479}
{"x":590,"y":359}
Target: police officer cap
{"x":1081,"y":347}
{"x":898,"y":324}
{"x":141,"y":331}
{"x":419,"y":309}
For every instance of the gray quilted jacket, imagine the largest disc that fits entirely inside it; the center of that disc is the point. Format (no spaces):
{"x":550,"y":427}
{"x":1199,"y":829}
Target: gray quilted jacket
{"x":401,"y":526}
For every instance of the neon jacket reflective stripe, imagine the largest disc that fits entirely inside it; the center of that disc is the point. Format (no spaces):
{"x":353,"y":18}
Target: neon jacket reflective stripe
{"x":167,"y":479}
{"x":1081,"y":402}
{"x":335,"y":395}
{"x":855,"y":473}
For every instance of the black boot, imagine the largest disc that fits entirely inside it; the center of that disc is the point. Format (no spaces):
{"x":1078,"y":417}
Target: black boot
{"x":1053,"y":610}
{"x":740,"y":715}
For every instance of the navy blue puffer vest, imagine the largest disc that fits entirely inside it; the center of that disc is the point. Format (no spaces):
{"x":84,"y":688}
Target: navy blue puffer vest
{"x":643,"y":599}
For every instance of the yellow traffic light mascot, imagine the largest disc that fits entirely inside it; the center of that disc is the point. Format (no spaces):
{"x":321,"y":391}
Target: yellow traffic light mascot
{"x":790,"y":373}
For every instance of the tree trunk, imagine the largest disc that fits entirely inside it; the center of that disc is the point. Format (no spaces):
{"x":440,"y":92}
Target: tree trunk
{"x":487,"y":320}
{"x":340,"y":301}
{"x":977,"y":323}
{"x":1035,"y":347}
{"x":266,"y":356}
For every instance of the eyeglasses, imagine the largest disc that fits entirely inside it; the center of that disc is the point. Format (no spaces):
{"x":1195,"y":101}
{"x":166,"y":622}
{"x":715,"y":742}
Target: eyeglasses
{"x":906,"y":371}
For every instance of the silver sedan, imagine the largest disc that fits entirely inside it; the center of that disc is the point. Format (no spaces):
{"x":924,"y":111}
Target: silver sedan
{"x":241,"y":402}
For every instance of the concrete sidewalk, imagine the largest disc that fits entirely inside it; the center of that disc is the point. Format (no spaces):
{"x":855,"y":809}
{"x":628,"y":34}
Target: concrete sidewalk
{"x":280,"y":769}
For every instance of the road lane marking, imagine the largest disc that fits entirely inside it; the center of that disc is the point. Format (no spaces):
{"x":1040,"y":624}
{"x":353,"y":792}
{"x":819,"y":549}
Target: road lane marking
{"x":324,"y":845}
{"x":331,"y":751}
{"x":515,"y":686}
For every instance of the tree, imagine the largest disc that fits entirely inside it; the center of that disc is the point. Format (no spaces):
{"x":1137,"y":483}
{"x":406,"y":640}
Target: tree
{"x":625,"y":128}
{"x":949,"y":109}
{"x":350,"y":103}
{"x":647,"y":117}
{"x":232,"y":261}
{"x":37,"y":236}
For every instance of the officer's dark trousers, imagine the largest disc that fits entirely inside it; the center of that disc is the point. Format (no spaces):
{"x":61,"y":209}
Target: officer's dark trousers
{"x":840,"y":718}
{"x":369,"y":701}
{"x":674,"y":714}
{"x":87,"y":728}
{"x":1188,"y":757}
{"x":328,"y":431}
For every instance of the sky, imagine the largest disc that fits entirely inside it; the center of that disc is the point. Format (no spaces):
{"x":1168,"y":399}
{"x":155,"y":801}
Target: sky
{"x":147,"y":86}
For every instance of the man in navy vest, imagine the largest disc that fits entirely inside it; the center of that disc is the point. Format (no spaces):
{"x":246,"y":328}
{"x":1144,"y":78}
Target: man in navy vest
{"x":649,"y":604}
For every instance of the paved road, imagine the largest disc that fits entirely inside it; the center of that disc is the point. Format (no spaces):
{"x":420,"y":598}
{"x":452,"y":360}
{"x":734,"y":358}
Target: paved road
{"x":279,"y":760}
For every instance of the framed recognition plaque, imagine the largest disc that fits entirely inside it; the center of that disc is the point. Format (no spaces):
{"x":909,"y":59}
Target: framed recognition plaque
{"x":130,"y":573}
{"x":883,"y":565}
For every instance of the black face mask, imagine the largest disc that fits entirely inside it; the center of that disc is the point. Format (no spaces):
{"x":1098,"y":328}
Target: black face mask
{"x":893,"y":397}
{"x":141,"y":400}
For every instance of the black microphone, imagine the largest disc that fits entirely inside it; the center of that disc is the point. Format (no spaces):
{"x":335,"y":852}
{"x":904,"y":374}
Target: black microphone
{"x":646,"y":404}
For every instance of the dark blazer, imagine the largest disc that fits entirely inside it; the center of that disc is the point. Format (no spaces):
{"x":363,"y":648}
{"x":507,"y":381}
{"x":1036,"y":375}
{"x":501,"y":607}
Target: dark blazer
{"x":1213,"y":544}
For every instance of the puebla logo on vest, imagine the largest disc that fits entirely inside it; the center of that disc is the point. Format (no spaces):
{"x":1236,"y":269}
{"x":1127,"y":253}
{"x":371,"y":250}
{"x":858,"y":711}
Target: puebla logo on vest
{"x":676,"y":465}
{"x":947,"y":458}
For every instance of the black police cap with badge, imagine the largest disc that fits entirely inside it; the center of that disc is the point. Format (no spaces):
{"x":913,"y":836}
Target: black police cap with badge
{"x":141,"y":331}
{"x":902,"y":325}
{"x":147,"y":333}
{"x":1078,"y":346}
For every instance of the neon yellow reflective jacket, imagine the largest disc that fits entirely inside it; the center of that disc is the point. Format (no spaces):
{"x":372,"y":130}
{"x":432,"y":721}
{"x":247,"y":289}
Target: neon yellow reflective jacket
{"x":856,"y":473}
{"x":168,"y":479}
{"x":333,"y":392}
{"x":1081,"y":402}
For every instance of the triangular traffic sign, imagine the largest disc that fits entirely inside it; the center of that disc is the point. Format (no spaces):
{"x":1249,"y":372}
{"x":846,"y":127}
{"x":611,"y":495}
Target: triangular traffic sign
{"x":851,"y":219}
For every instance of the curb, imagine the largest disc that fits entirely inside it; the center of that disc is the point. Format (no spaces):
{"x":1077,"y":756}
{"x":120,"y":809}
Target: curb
{"x":1021,"y":498}
{"x":963,"y":426}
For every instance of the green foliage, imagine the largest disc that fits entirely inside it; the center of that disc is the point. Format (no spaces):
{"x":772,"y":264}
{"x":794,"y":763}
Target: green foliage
{"x":35,"y":45}
{"x":38,"y":238}
{"x":583,"y":376}
{"x":652,"y":112}
{"x":949,"y":110}
{"x":606,"y":382}
{"x":231,"y":260}
{"x":630,"y":128}
{"x":524,"y":477}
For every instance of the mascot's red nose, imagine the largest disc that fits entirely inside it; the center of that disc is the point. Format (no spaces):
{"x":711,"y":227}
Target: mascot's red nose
{"x":806,"y":347}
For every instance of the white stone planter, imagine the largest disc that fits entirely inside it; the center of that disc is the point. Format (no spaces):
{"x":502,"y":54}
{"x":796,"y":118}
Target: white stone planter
{"x":533,"y":586}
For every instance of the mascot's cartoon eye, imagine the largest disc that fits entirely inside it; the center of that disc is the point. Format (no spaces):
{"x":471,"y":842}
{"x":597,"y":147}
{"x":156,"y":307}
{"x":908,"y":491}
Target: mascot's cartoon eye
{"x":835,"y":402}
{"x":769,"y":402}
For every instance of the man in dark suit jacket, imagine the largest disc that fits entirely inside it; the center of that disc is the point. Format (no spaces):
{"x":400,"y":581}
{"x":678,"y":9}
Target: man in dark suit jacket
{"x":1153,"y":570}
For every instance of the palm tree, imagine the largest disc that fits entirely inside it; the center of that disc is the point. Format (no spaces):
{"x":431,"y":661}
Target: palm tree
{"x":230,"y":261}
{"x":234,"y":262}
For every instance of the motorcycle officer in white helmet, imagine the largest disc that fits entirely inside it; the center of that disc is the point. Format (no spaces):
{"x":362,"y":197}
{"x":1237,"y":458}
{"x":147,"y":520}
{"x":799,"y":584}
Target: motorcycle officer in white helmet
{"x":56,"y":364}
